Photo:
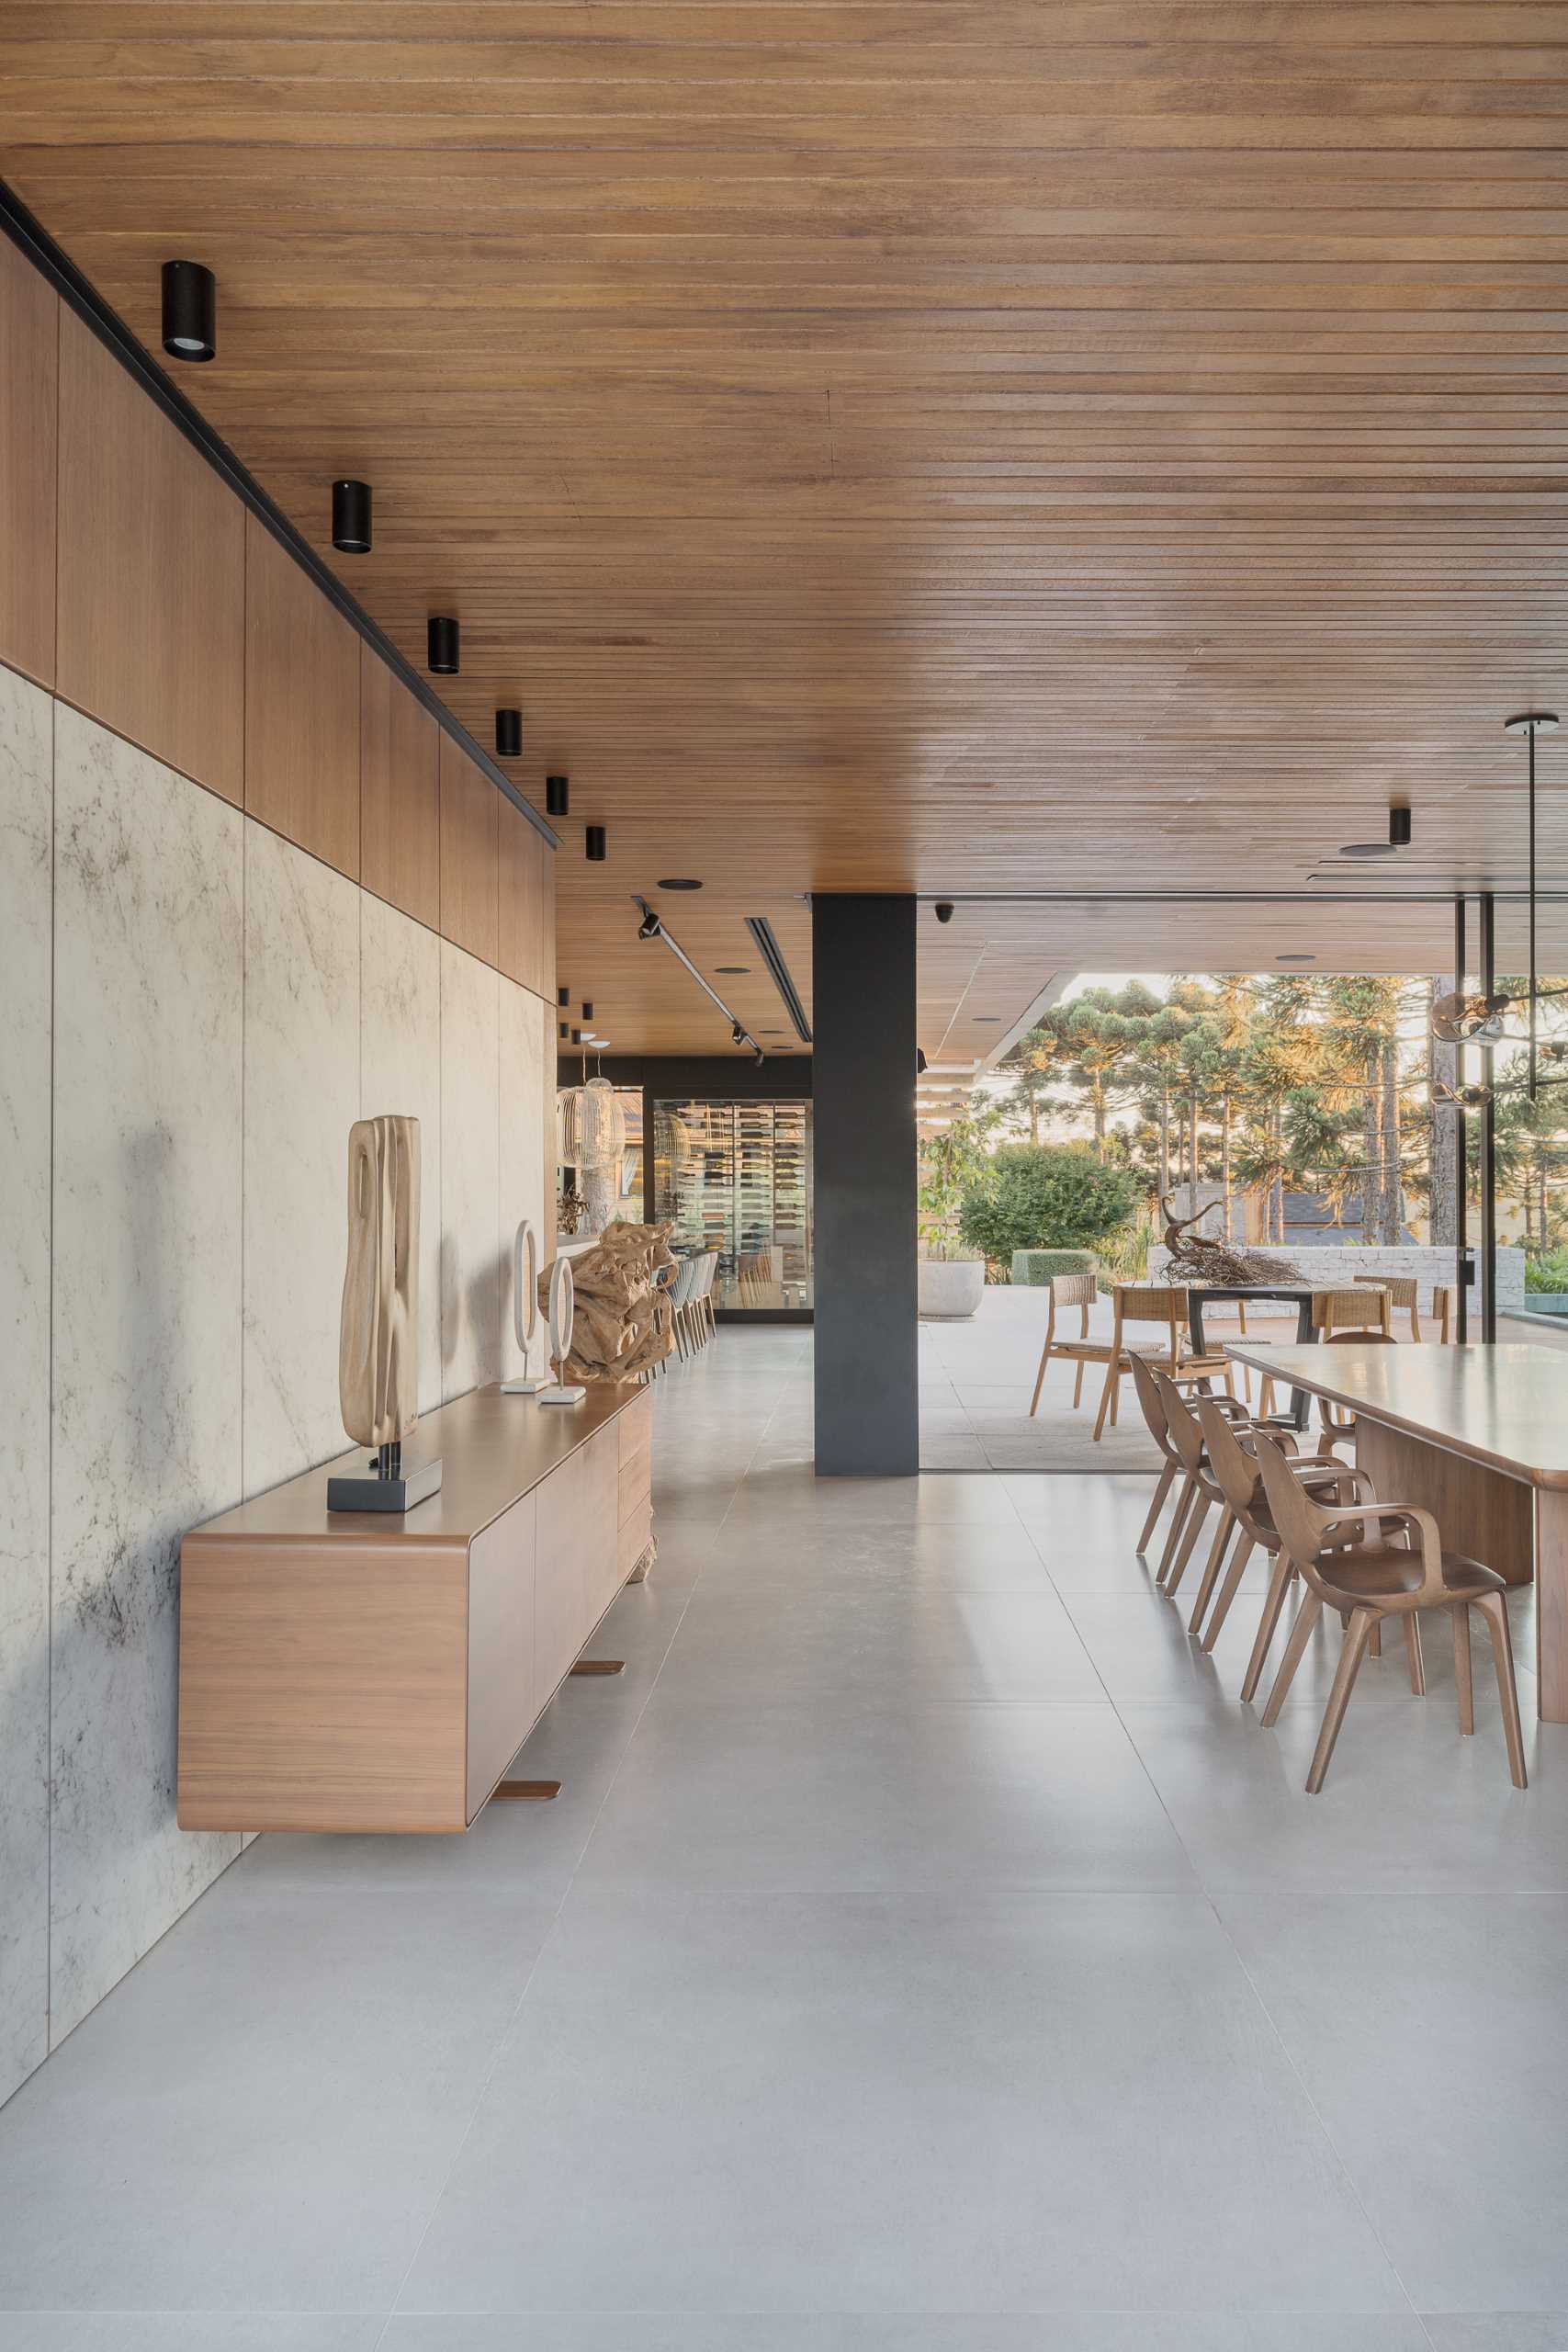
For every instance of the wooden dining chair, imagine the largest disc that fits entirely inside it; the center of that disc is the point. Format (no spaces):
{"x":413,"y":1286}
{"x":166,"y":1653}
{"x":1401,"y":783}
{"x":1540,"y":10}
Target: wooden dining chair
{"x":1232,"y":1455}
{"x":1189,"y":1441}
{"x":1350,"y":1317}
{"x":1404,"y":1292}
{"x":1442,"y":1308}
{"x":1173,"y":1467}
{"x":1374,"y":1579}
{"x":1164,"y":1305}
{"x":1068,"y":1291}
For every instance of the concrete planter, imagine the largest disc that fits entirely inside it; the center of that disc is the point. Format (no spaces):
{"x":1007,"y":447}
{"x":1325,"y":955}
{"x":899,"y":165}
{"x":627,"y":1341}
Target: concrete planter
{"x":1546,"y":1302}
{"x":951,"y":1289}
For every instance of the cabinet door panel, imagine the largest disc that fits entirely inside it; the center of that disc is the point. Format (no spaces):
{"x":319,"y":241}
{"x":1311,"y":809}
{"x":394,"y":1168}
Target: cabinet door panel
{"x":560,"y":1607}
{"x":503,"y":1699}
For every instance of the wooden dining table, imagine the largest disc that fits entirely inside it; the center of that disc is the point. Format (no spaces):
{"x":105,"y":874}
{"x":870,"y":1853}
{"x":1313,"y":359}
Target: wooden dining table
{"x":1476,"y":1435}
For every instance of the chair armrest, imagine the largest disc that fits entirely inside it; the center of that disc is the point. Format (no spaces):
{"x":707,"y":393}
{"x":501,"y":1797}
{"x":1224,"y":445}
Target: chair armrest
{"x":1372,"y":1516}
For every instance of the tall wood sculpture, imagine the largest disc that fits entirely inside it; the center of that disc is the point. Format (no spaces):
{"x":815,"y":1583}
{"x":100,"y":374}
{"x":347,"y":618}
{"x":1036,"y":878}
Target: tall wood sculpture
{"x":379,"y":1334}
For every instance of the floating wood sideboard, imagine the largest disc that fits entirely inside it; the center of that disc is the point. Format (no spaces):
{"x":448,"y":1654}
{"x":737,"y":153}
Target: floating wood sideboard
{"x":346,"y":1671}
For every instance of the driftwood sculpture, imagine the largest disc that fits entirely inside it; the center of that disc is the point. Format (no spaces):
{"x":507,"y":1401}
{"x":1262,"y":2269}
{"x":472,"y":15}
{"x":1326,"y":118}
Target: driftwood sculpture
{"x":377,"y":1364}
{"x":1194,"y":1258}
{"x":624,"y":1323}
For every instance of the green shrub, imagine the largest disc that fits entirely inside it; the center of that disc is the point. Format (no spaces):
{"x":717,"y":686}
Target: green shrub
{"x":1549,"y":1271}
{"x":1040,"y":1266}
{"x":1046,"y":1197}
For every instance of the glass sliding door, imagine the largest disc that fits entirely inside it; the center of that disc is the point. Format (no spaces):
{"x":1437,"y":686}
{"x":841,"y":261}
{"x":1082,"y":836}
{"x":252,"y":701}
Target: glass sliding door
{"x":736,"y":1178}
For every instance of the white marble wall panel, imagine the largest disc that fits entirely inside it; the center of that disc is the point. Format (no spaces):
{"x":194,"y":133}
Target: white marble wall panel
{"x":401,"y":1072}
{"x":527,"y":1030}
{"x":148,"y":993}
{"x":470,"y":1151}
{"x":27,"y":791}
{"x":301,"y":1097}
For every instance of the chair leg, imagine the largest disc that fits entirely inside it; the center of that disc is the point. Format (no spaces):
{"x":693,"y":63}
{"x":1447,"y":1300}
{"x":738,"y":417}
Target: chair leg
{"x":1228,"y":1590}
{"x":1173,"y":1533}
{"x":1194,"y":1522}
{"x":1413,"y":1650}
{"x":1462,"y":1679}
{"x":1273,"y":1601}
{"x":1302,"y":1632}
{"x":1374,"y":1638}
{"x":1162,"y":1488}
{"x":1211,"y":1577}
{"x":1496,"y":1610}
{"x":1039,"y":1379}
{"x":1345,"y":1673}
{"x":1111,"y":1376}
{"x":1077,"y":1385}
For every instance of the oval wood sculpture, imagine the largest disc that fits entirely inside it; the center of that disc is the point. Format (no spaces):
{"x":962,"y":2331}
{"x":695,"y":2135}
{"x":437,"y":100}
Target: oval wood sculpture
{"x":377,"y":1365}
{"x":562,"y":1314}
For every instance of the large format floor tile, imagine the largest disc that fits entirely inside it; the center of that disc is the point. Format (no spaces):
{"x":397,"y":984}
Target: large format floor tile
{"x":1431,"y":2035}
{"x":1028,"y":2102}
{"x":262,"y":2114}
{"x":1214,"y":2331}
{"x":820,"y":1797}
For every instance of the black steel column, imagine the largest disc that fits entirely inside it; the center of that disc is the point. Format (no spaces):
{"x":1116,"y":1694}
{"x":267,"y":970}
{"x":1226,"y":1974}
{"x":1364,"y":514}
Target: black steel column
{"x":863,"y":1014}
{"x":1488,"y":1138}
{"x":1461,"y":1153}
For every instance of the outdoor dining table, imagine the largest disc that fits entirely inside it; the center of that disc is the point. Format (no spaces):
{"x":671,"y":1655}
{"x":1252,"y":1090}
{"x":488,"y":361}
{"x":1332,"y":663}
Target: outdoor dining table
{"x":1202,"y":1293}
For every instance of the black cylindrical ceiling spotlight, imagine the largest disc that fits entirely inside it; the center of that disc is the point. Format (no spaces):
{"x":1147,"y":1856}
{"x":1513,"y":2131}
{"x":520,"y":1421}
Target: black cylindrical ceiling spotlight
{"x":588,"y":1012}
{"x":441,"y":650}
{"x":1399,"y":829}
{"x":595,"y":845}
{"x":563,"y":996}
{"x":557,"y":796}
{"x":351,"y":517}
{"x":190,"y":311}
{"x":509,"y":734}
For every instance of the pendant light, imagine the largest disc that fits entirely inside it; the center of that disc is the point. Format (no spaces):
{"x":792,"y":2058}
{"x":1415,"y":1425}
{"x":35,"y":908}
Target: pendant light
{"x":441,"y":646}
{"x":190,"y":311}
{"x":351,"y":517}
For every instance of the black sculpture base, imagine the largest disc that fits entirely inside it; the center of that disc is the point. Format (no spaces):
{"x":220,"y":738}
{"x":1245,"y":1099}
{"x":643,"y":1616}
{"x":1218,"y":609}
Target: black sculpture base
{"x":390,"y":1487}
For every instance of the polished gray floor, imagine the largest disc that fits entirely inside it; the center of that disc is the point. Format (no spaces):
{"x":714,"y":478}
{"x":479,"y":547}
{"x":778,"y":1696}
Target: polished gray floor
{"x":926,"y":1954}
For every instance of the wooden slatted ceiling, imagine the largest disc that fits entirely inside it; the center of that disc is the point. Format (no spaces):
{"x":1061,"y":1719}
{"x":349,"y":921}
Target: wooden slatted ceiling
{"x":956,"y":445}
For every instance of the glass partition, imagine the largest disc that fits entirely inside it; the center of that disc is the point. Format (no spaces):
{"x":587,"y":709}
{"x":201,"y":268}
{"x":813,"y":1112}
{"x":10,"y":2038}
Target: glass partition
{"x":736,"y":1178}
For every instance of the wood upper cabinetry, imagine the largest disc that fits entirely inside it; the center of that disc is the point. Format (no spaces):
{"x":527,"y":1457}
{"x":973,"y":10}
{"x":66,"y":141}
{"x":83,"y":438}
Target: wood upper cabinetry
{"x":400,"y":793}
{"x":301,"y":707}
{"x":29,"y":340}
{"x":152,"y":575}
{"x":470,"y":808}
{"x":527,"y":937}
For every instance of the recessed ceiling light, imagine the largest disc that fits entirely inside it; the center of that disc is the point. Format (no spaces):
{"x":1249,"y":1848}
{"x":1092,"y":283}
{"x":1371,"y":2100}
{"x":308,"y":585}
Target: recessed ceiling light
{"x":1295,"y":959}
{"x":679,"y":882}
{"x":1367,"y":849}
{"x":983,"y":1017}
{"x":722,"y":967}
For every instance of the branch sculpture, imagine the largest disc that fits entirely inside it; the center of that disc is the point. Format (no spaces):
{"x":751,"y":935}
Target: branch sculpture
{"x":624,"y":1321}
{"x":1197,"y":1259}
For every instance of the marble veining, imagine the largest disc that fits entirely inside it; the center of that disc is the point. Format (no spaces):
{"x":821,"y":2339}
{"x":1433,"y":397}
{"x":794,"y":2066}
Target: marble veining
{"x":400,"y":1072}
{"x":148,"y":996}
{"x":527,"y":1032}
{"x":470,"y":1145}
{"x":27,"y":787}
{"x":302,"y":1095}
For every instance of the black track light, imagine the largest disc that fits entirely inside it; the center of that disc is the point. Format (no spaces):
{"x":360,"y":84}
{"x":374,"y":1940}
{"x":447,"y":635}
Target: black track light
{"x":557,"y":796}
{"x":1399,"y":829}
{"x":738,"y":1034}
{"x":441,"y":649}
{"x":509,"y":734}
{"x":759,"y":1058}
{"x":351,"y":517}
{"x":595,"y":846}
{"x":190,"y":311}
{"x":650,"y":927}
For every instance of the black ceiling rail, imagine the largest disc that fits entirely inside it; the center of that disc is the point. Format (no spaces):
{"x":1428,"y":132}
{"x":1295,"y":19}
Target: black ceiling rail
{"x":772,"y":954}
{"x":31,"y":238}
